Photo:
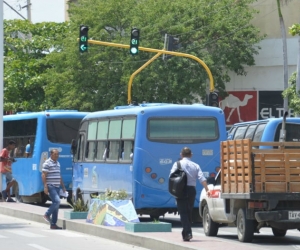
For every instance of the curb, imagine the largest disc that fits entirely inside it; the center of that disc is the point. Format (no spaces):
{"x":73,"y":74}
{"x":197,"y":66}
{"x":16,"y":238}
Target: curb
{"x":100,"y":231}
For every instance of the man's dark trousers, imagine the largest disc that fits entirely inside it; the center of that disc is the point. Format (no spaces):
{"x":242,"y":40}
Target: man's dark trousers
{"x":185,"y":209}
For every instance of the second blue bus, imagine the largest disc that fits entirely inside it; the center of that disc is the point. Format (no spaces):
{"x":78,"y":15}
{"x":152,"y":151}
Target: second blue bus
{"x":40,"y":132}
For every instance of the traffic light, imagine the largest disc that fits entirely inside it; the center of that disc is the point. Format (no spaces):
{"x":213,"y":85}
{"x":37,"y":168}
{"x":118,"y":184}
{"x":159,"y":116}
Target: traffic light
{"x":83,"y":38}
{"x":172,"y":45}
{"x":134,"y":41}
{"x":213,"y":99}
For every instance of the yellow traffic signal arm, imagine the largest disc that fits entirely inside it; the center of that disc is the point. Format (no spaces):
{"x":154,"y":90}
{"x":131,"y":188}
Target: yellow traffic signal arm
{"x":173,"y":53}
{"x":138,"y":71}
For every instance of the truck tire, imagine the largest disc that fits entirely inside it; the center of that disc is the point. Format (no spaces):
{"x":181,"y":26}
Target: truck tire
{"x":278,"y":232}
{"x":245,"y":227}
{"x":210,"y":227}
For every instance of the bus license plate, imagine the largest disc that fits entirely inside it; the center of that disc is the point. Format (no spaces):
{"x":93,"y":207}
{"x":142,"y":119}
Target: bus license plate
{"x":294,"y":215}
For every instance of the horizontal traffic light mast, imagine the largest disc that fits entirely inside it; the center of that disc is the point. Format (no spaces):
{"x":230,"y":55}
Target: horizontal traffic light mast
{"x":211,"y":80}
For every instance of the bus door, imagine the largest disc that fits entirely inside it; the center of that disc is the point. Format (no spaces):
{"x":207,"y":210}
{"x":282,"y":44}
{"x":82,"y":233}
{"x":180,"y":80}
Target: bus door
{"x":78,"y":156}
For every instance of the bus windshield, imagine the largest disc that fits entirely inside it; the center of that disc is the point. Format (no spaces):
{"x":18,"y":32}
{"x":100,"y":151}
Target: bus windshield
{"x":62,"y":130}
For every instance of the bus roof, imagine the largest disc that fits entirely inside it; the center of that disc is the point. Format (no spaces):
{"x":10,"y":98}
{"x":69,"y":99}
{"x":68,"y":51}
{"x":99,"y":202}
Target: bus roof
{"x":153,"y":107}
{"x":46,"y":113}
{"x":269,"y":120}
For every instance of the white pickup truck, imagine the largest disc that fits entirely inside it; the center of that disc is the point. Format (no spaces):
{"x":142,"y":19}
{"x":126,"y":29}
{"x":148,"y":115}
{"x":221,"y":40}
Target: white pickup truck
{"x":255,"y":188}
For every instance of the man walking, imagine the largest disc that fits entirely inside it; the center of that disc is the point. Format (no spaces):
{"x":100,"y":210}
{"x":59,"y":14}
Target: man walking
{"x":6,"y":162}
{"x":52,"y":181}
{"x":185,"y":205}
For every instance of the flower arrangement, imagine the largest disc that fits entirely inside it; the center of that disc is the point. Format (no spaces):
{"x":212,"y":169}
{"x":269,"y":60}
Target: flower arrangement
{"x":79,"y":205}
{"x":112,"y":195}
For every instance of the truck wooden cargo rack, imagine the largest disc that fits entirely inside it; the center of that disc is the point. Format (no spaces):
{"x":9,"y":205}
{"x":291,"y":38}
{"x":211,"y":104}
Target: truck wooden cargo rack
{"x":260,"y":169}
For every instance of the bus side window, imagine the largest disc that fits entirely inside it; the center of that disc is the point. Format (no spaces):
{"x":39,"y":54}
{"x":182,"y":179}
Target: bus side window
{"x":114,"y":136}
{"x":259,"y":132}
{"x":90,"y":150}
{"x":91,"y":141}
{"x":127,"y":152}
{"x":250,"y":131}
{"x":128,"y":135}
{"x":239,"y":133}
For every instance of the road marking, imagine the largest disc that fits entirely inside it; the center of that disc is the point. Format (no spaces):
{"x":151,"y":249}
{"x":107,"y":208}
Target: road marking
{"x":38,"y":247}
{"x":65,"y":233}
{"x":24,"y":233}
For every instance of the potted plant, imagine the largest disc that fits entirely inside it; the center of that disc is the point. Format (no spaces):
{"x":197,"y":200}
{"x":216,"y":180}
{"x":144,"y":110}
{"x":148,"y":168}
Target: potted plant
{"x":80,"y":210}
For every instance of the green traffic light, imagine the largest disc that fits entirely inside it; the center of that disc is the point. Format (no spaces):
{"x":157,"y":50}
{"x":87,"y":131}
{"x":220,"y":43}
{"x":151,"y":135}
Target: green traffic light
{"x":83,"y":38}
{"x":133,"y":51}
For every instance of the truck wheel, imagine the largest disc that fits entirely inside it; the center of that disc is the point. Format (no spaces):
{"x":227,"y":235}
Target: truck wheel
{"x":210,"y":227}
{"x":245,"y":227}
{"x":278,"y":232}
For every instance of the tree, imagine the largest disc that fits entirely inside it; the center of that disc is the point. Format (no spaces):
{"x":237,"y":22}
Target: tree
{"x":26,"y":47}
{"x":292,"y":93}
{"x":218,"y":32}
{"x":284,"y":47}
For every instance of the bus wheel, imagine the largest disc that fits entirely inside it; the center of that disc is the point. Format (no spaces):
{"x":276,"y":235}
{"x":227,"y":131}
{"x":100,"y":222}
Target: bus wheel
{"x":45,"y":198}
{"x":278,"y":232}
{"x":210,"y":227}
{"x":245,"y":227}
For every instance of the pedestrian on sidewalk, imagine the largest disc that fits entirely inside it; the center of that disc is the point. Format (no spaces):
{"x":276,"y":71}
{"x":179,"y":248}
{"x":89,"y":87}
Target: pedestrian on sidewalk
{"x":52,"y":182}
{"x":185,"y":205}
{"x":6,"y":162}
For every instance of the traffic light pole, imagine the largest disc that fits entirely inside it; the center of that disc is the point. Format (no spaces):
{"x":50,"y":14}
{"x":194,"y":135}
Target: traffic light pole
{"x":173,"y":53}
{"x":138,"y":71}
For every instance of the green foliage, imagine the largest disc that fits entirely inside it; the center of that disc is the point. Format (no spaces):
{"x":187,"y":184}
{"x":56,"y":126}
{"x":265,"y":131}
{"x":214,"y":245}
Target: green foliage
{"x":26,"y":47}
{"x":295,"y":29}
{"x":218,"y":32}
{"x":293,"y":96}
{"x":79,"y":205}
{"x":112,"y":195}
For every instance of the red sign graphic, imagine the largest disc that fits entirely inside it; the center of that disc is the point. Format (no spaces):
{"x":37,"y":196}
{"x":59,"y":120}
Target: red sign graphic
{"x":239,"y":106}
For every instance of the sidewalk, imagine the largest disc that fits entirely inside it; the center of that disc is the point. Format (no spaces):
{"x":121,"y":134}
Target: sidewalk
{"x":154,"y":241}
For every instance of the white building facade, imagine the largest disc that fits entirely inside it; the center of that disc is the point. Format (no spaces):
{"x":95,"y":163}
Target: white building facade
{"x":264,"y":82}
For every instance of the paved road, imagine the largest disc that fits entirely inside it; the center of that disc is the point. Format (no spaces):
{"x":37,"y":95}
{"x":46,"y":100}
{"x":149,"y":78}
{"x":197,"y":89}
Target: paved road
{"x":226,"y":239}
{"x":16,"y":234}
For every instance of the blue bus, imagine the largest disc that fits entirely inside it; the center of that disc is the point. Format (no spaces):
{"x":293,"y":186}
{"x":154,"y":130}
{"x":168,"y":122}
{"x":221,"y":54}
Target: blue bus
{"x":35,"y":134}
{"x":134,"y":147}
{"x":267,"y":130}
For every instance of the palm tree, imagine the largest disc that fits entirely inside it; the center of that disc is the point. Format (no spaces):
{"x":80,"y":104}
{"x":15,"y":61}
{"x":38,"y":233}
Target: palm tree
{"x":284,"y":46}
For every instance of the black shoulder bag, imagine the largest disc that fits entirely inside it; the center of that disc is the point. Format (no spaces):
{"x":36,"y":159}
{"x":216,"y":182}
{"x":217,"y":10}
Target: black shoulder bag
{"x":177,"y":182}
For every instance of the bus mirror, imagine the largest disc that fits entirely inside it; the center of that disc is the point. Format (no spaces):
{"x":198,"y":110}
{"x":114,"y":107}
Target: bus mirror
{"x":73,"y":147}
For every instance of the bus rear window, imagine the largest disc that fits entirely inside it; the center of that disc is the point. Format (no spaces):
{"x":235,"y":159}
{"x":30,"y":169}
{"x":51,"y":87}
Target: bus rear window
{"x":183,"y":130}
{"x":62,"y":130}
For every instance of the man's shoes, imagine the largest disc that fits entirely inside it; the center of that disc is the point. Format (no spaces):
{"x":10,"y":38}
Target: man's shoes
{"x":55,"y":227}
{"x":4,"y":195}
{"x":10,"y":200}
{"x":47,"y":218}
{"x":188,"y":237}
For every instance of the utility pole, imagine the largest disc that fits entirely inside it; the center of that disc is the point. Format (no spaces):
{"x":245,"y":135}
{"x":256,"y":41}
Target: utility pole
{"x":28,"y":6}
{"x":1,"y":80}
